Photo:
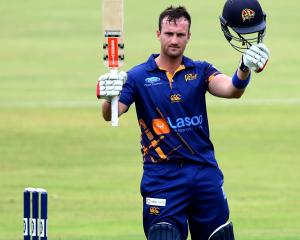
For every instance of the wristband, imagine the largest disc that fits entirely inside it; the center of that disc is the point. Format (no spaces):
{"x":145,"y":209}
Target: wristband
{"x":238,"y":83}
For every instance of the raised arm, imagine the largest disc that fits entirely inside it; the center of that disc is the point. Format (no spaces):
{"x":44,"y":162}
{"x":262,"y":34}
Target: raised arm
{"x":255,"y":58}
{"x":221,"y":85}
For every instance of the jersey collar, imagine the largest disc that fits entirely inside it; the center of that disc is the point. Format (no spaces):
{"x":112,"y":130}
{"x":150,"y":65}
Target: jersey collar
{"x":152,"y":66}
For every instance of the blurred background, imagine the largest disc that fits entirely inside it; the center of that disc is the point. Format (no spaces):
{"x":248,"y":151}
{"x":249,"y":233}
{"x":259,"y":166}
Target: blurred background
{"x":52,"y":134}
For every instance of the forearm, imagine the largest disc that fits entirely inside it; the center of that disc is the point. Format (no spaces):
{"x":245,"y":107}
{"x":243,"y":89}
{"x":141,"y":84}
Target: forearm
{"x":106,"y":110}
{"x":239,"y":81}
{"x":243,"y":75}
{"x":230,"y":87}
{"x":239,"y":84}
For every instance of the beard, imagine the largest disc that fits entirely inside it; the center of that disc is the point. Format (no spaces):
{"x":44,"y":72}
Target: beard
{"x":173,"y":51}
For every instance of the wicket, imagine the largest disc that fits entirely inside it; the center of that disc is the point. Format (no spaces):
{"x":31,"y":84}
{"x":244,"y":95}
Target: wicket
{"x":37,"y":227}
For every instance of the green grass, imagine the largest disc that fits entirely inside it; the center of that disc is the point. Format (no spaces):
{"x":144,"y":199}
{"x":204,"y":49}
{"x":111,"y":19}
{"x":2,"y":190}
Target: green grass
{"x":52,"y":134}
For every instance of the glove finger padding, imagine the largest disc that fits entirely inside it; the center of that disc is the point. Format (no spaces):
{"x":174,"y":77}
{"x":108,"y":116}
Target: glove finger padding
{"x":250,"y":59}
{"x":107,"y":88}
{"x":258,"y":53}
{"x":111,"y":88}
{"x":103,"y":77}
{"x":251,"y":52}
{"x":110,"y":85}
{"x":109,"y":94}
{"x":123,"y":76}
{"x":264,"y":48}
{"x":256,"y":57}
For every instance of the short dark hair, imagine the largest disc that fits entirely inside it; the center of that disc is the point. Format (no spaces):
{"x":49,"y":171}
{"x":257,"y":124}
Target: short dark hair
{"x":174,"y":13}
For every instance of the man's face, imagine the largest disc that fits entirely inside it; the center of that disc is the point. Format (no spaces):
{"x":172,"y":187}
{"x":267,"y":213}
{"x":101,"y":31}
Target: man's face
{"x":173,"y":36}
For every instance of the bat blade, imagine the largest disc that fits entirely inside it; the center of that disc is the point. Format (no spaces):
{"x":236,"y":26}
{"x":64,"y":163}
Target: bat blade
{"x":113,"y":17}
{"x":113,"y":46}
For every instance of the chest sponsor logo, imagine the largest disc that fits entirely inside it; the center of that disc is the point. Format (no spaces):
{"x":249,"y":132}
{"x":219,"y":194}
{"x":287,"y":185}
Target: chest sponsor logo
{"x":184,"y":123}
{"x":190,"y":76}
{"x":160,"y":126}
{"x":175,"y":98}
{"x":152,"y":81}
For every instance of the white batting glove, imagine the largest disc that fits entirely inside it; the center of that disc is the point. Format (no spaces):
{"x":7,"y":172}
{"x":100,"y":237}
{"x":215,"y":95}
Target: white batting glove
{"x":110,"y":84}
{"x":256,"y":57}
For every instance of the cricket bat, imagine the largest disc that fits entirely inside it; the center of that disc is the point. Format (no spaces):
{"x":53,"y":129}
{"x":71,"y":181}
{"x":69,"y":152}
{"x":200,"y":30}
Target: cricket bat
{"x":113,"y":46}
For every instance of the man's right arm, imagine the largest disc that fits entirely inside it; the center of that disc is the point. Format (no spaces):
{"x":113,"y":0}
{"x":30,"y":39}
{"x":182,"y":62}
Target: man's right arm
{"x":106,"y":110}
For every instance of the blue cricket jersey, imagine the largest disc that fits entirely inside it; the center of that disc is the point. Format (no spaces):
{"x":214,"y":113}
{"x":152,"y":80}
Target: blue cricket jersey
{"x":171,"y":110}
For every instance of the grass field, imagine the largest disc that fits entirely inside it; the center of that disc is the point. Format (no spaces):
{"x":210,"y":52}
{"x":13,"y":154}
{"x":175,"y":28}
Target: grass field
{"x":52,"y":136}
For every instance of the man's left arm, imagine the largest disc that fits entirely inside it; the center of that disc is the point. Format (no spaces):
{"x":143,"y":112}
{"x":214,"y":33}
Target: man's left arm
{"x":255,"y":59}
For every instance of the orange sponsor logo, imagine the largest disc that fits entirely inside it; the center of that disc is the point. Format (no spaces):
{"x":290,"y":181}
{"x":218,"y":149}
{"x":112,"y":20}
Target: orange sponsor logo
{"x":160,"y":126}
{"x":247,"y":14}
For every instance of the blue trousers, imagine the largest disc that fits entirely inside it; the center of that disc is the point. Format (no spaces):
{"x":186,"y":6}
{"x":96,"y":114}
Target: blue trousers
{"x":187,"y":195}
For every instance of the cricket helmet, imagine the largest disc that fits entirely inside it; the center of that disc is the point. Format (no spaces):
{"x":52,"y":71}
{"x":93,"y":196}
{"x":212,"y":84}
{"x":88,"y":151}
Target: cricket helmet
{"x":243,"y":23}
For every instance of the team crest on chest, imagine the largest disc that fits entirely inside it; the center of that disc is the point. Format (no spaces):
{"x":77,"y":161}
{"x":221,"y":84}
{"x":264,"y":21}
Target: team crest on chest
{"x":175,"y":98}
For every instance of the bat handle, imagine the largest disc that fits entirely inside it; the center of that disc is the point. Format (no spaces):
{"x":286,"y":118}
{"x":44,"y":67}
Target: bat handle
{"x":114,"y":102}
{"x":114,"y":111}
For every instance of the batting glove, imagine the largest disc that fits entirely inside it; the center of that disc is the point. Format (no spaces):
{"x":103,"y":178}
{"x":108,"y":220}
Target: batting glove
{"x":256,"y":57}
{"x":110,"y":85}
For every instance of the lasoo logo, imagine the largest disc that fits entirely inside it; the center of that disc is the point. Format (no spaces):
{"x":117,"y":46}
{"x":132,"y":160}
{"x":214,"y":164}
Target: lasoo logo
{"x":185,"y":122}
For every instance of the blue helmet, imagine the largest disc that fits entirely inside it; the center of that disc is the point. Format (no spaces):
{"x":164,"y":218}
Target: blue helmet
{"x":243,"y":23}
